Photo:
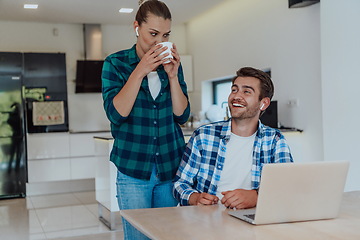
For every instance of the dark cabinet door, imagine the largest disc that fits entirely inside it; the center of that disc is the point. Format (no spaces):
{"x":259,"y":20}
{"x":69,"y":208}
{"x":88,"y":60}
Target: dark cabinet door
{"x":11,"y":63}
{"x":45,"y":70}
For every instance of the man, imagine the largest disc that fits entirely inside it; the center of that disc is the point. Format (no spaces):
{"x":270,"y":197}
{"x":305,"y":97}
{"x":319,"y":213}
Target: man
{"x":223,"y":160}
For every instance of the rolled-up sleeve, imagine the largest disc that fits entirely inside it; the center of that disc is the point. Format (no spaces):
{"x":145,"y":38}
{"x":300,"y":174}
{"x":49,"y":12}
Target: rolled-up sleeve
{"x":112,"y":83}
{"x":186,"y":114}
{"x":282,"y":151}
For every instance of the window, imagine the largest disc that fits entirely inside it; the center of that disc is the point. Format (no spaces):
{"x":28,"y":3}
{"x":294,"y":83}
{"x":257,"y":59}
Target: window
{"x":221,"y":90}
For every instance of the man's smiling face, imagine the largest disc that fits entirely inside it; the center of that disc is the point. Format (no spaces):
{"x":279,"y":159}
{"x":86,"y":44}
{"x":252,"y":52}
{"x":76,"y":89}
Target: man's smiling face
{"x":244,"y":102}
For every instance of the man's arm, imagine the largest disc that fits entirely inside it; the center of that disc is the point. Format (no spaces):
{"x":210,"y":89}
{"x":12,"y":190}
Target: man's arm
{"x":184,"y":183}
{"x":282,"y":151}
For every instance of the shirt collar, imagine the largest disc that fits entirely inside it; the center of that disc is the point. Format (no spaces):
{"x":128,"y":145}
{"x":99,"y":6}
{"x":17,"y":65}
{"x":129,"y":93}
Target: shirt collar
{"x":261,"y":130}
{"x":226,"y":130}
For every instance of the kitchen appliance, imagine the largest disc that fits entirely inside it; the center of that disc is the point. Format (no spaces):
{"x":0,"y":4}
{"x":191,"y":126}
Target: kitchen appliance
{"x":33,"y":99}
{"x":13,"y":164}
{"x":88,"y":71}
{"x":301,"y":3}
{"x":45,"y":92}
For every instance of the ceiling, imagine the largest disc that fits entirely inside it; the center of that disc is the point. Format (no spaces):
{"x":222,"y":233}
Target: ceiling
{"x":96,"y":11}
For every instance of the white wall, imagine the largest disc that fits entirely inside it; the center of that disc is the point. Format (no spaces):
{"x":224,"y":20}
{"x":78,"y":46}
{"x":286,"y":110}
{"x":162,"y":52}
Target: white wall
{"x":340,"y":63}
{"x":265,"y":34}
{"x":259,"y":33}
{"x":85,"y":110}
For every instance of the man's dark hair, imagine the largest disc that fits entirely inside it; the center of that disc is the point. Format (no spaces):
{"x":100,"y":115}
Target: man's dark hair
{"x":266,"y":85}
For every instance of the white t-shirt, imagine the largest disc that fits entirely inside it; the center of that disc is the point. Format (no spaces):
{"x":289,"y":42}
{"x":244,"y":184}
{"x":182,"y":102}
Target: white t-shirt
{"x":236,"y":173}
{"x":154,"y":84}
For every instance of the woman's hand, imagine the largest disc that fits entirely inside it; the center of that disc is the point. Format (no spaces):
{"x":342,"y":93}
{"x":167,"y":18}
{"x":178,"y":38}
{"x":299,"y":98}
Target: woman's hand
{"x":172,"y":67}
{"x":150,"y":61}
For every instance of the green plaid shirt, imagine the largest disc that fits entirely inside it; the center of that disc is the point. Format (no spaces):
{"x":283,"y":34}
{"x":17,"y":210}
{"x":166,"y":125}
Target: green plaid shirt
{"x":151,"y":133}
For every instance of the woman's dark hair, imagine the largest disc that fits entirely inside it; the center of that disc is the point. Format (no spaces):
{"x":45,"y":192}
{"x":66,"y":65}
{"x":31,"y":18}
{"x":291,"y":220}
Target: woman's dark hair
{"x":266,"y":85}
{"x":158,"y":8}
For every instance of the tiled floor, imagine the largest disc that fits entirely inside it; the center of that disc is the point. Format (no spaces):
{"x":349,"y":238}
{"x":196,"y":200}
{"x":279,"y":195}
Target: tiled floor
{"x":72,"y":216}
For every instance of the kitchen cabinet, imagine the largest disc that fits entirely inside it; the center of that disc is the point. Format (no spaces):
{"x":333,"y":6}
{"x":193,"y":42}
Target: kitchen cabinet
{"x":44,"y":170}
{"x":48,"y":157}
{"x":82,"y":156}
{"x":61,"y":156}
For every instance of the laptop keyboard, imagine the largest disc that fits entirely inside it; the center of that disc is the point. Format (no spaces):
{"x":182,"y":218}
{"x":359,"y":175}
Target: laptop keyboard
{"x":251,"y":216}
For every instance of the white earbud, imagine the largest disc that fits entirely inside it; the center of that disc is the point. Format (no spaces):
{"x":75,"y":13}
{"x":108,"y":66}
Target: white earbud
{"x":261,"y":108}
{"x":137,"y":31}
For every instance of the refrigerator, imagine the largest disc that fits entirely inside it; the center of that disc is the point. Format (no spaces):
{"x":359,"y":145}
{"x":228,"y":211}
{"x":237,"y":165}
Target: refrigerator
{"x":13,"y":169}
{"x":33,"y":99}
{"x":13,"y":163}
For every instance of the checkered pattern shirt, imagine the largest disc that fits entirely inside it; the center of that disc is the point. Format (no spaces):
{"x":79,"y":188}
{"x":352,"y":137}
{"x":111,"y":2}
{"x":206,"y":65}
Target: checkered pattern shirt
{"x":203,"y":160}
{"x":151,"y":133}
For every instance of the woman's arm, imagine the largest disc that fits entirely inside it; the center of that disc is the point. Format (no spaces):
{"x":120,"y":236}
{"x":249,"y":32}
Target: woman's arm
{"x":125,"y":99}
{"x":178,"y":98}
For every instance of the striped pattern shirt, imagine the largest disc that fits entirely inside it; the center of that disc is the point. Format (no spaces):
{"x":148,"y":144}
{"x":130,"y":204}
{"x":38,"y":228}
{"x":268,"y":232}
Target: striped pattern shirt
{"x":204,"y":157}
{"x":151,"y":133}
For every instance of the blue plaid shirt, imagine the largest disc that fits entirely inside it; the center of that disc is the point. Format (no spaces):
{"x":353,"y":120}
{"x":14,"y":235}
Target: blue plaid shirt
{"x":203,"y":160}
{"x":151,"y":134}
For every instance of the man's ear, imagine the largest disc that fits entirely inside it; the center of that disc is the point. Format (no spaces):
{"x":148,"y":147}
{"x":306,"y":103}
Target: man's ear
{"x":264,"y":103}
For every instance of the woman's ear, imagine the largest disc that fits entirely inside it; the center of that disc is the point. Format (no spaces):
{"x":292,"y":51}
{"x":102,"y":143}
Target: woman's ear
{"x":136,"y":28}
{"x":137,"y":31}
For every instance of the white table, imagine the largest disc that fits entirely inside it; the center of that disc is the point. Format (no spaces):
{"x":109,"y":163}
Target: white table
{"x":213,"y":222}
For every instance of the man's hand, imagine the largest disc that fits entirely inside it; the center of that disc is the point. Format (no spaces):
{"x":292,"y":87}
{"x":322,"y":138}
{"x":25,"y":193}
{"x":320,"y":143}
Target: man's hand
{"x":239,"y":198}
{"x":203,"y":198}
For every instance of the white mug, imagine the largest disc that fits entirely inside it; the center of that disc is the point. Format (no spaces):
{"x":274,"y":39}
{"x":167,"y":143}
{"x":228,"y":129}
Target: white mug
{"x":169,"y":46}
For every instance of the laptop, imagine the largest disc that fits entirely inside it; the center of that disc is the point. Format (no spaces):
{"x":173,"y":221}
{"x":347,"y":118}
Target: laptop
{"x":291,"y":192}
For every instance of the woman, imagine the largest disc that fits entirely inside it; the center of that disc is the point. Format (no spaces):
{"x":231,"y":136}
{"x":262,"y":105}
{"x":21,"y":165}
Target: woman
{"x":146,"y":101}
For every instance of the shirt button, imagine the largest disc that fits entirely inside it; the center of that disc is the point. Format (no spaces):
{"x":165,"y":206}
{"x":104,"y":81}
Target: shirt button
{"x":155,"y":122}
{"x":154,"y":138}
{"x":219,"y":166}
{"x":154,"y":106}
{"x":157,"y":154}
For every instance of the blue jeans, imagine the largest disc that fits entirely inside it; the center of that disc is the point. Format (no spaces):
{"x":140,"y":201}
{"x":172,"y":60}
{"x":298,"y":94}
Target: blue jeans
{"x":133,"y":193}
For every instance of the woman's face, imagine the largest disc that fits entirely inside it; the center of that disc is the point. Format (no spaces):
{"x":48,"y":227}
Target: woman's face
{"x":152,"y":32}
